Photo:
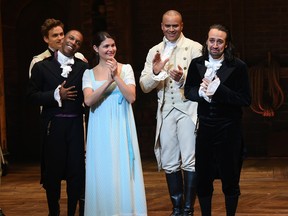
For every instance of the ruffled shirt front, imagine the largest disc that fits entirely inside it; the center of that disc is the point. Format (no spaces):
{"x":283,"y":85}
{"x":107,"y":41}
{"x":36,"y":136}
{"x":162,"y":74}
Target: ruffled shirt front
{"x":212,"y":66}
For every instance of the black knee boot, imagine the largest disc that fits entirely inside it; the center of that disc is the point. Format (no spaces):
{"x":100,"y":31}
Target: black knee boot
{"x":231,"y":203}
{"x":190,"y":183}
{"x":205,"y":205}
{"x":175,"y":187}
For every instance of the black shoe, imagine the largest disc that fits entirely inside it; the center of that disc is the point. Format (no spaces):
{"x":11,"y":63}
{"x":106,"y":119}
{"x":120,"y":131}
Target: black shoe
{"x":1,"y":213}
{"x":187,"y":213}
{"x":57,"y":214}
{"x":176,"y":212}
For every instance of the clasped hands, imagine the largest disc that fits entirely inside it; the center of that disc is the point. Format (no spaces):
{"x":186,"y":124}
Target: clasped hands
{"x":205,"y":86}
{"x":158,"y":65}
{"x":113,"y":66}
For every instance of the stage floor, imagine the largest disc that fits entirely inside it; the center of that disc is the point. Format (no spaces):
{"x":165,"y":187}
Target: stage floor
{"x":264,"y":188}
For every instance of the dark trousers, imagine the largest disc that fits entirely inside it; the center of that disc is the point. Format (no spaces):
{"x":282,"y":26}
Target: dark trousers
{"x":63,"y":152}
{"x":219,"y":154}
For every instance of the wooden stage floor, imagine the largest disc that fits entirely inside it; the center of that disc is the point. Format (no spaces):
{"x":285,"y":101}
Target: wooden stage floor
{"x":264,"y":187}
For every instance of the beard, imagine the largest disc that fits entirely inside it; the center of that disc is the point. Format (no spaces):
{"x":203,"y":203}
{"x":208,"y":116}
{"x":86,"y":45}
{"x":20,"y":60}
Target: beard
{"x":216,"y":54}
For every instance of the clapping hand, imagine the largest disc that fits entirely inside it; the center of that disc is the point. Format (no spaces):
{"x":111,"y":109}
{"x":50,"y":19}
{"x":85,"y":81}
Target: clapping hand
{"x":158,"y":64}
{"x":176,"y":74}
{"x":112,"y":65}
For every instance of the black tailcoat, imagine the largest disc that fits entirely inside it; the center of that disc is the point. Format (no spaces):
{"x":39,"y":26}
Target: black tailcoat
{"x":219,"y":143}
{"x":62,"y":130}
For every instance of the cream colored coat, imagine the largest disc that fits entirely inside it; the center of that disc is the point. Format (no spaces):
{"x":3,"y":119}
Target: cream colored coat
{"x":185,"y":51}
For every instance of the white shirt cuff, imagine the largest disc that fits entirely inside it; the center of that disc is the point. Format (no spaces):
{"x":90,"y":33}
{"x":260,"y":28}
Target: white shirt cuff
{"x":161,"y":76}
{"x":203,"y":95}
{"x":57,"y":96}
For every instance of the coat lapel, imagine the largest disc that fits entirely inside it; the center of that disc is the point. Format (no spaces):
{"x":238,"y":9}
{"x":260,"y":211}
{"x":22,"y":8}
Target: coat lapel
{"x":75,"y":70}
{"x":225,"y":71}
{"x":201,"y":68}
{"x":55,"y":69}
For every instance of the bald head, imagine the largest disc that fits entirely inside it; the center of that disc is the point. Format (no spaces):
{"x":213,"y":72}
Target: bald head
{"x":172,"y":13}
{"x":172,"y":25}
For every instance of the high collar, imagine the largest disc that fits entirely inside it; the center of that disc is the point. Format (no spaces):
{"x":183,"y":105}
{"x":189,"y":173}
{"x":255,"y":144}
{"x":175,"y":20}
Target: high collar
{"x":176,"y":42}
{"x":212,"y":60}
{"x":64,"y":60}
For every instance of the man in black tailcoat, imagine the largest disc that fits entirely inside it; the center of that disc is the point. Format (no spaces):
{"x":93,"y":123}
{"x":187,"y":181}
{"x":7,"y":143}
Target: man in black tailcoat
{"x":218,"y":81}
{"x":56,"y":85}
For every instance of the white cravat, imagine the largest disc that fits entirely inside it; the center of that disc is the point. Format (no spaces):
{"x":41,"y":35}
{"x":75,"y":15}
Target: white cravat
{"x":212,"y":67}
{"x":66,"y":68}
{"x":66,"y":63}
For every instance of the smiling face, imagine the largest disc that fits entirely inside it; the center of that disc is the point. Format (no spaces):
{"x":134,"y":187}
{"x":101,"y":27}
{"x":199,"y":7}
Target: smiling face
{"x":71,"y":43}
{"x":55,"y":37}
{"x":107,"y":49}
{"x":172,"y":26}
{"x":216,"y":43}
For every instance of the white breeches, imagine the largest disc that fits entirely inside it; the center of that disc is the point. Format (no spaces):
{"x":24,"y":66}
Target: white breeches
{"x":177,"y":141}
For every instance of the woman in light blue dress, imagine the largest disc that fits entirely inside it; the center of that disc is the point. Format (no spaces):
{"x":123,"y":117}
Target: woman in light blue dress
{"x":114,"y":178}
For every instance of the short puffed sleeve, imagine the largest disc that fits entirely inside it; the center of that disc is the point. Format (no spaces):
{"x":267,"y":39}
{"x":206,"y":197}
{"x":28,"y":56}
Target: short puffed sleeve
{"x":86,"y":79}
{"x":128,"y":78}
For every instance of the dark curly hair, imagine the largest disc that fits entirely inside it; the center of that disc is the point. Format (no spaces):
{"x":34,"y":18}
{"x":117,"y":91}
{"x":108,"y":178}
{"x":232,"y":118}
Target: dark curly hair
{"x":229,"y":50}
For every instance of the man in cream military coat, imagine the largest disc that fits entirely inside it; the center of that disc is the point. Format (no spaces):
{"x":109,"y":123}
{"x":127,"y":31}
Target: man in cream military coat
{"x":165,"y":70}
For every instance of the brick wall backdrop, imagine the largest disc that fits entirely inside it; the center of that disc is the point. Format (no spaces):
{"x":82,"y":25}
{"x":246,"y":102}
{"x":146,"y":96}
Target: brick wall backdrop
{"x":258,"y":28}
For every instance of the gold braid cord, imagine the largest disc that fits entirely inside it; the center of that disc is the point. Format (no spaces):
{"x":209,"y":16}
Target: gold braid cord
{"x":267,"y":94}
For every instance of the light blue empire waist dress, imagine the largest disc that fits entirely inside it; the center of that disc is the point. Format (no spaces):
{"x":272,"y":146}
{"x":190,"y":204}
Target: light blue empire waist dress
{"x":114,"y":178}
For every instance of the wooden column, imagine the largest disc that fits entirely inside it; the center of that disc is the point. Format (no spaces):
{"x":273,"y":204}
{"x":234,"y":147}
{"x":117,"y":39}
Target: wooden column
{"x":3,"y":140}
